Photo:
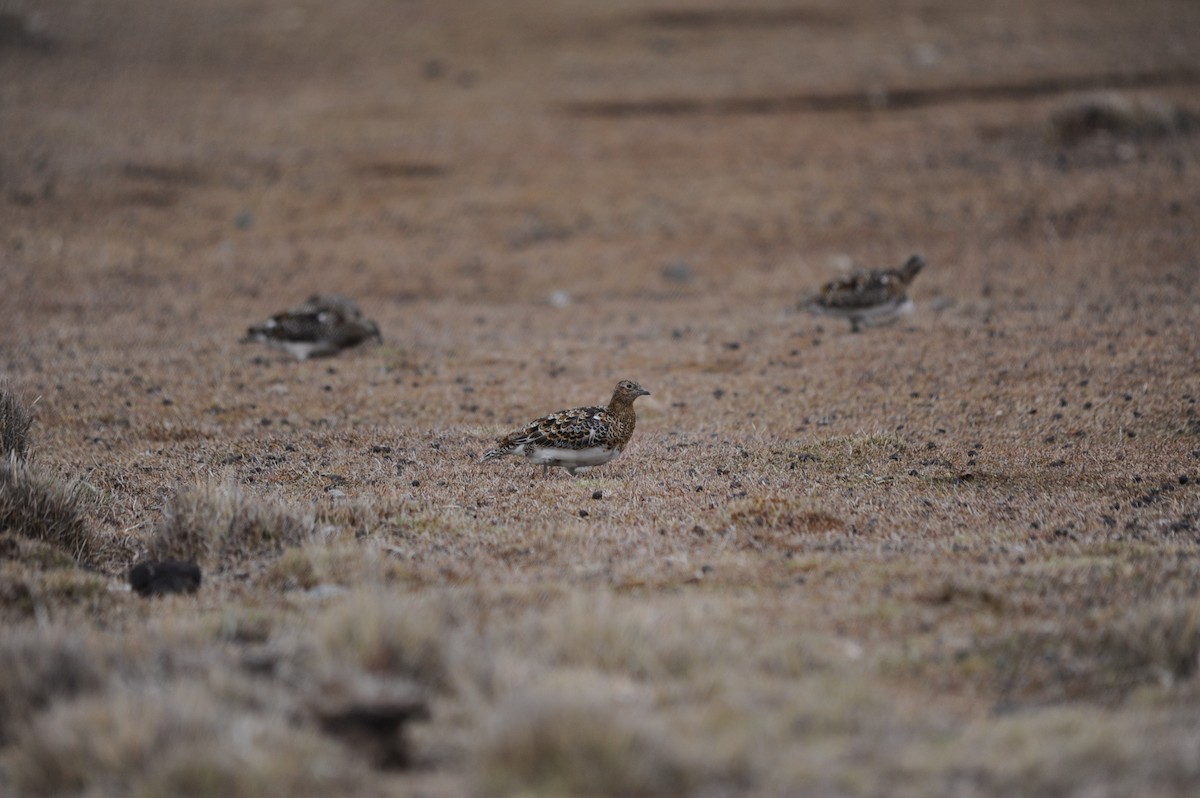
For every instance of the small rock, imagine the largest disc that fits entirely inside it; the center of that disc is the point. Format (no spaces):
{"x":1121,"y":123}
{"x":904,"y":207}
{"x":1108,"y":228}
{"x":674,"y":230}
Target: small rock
{"x":924,"y":55}
{"x":433,"y":68}
{"x":324,"y":591}
{"x":678,"y":272}
{"x":158,"y":578}
{"x":599,"y":494}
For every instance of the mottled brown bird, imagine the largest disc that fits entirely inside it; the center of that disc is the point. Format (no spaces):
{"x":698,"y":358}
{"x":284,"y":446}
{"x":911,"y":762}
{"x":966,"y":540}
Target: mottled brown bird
{"x":873,"y":297}
{"x":322,"y":326}
{"x":576,"y":439}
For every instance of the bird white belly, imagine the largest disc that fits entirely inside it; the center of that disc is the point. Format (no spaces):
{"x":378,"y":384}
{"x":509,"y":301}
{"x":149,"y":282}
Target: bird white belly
{"x":890,"y":311}
{"x":571,"y":458}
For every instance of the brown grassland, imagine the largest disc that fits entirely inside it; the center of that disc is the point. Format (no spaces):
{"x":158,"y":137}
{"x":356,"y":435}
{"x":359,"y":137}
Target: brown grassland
{"x":958,"y":555}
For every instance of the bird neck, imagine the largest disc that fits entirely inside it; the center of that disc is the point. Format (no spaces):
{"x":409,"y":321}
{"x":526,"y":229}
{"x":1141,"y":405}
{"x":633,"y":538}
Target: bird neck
{"x":621,"y":408}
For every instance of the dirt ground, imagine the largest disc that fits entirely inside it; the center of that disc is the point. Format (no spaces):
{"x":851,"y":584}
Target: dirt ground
{"x":957,"y":555}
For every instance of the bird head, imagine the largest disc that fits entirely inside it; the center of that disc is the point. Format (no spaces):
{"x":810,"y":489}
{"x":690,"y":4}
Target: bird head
{"x":628,"y":390}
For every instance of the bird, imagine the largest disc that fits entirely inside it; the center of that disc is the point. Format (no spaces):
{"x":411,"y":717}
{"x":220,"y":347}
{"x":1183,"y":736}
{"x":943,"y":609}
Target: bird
{"x":576,"y":439}
{"x":323,"y":326}
{"x":876,"y":296}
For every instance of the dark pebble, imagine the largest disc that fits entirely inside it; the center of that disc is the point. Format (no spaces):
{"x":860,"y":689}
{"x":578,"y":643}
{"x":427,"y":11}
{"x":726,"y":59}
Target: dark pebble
{"x":159,"y":578}
{"x":597,"y":494}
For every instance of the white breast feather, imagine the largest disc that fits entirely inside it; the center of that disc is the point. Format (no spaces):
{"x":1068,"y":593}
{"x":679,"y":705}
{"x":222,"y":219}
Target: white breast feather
{"x":591,"y":456}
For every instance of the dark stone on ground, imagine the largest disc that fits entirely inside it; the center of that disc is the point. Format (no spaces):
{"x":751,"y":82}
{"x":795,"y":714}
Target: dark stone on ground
{"x":159,"y":578}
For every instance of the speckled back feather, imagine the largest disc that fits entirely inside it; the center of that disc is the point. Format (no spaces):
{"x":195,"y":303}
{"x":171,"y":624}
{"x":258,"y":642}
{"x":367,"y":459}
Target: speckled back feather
{"x":323,"y":325}
{"x":870,"y":288}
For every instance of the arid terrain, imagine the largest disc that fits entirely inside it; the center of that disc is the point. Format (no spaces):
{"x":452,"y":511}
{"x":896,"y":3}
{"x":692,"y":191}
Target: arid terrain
{"x":958,"y":555}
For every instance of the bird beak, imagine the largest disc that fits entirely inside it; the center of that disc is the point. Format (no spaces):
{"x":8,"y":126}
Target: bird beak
{"x":643,"y":392}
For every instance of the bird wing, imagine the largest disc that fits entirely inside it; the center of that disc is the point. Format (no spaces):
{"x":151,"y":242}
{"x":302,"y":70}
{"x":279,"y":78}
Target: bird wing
{"x":293,"y":326}
{"x":862,"y":290}
{"x":578,"y":428}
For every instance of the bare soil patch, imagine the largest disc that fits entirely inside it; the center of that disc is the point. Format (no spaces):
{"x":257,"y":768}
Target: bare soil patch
{"x":957,"y":555}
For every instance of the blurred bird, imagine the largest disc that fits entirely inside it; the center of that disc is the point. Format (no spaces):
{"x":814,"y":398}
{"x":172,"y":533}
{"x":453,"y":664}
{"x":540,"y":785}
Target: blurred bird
{"x":576,"y":439}
{"x":322,"y":326}
{"x":874,"y":297}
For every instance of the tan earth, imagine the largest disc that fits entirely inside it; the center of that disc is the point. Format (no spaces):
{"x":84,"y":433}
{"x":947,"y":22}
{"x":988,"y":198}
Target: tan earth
{"x":958,"y":555}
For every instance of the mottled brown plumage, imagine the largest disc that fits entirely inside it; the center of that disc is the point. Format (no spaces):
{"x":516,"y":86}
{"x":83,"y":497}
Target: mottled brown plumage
{"x":576,"y":439}
{"x":872,"y":297}
{"x":322,"y":326}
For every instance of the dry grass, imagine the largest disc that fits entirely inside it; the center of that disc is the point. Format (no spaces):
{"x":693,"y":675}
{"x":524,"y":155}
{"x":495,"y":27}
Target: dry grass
{"x":580,"y":740}
{"x":953,"y":556}
{"x":387,"y":635}
{"x":40,"y":666}
{"x":1104,"y":657}
{"x":39,"y":505}
{"x":222,"y":524}
{"x":15,"y":422}
{"x":176,"y":740}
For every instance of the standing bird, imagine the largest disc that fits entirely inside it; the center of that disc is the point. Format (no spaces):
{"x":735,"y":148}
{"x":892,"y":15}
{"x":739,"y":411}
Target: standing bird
{"x":322,"y":326}
{"x":576,"y":439}
{"x":870,"y":297}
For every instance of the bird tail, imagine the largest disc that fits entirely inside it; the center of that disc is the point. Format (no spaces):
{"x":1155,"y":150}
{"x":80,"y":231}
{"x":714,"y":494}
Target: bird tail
{"x":493,"y":454}
{"x":255,"y":333}
{"x":911,"y":267}
{"x":811,"y":302}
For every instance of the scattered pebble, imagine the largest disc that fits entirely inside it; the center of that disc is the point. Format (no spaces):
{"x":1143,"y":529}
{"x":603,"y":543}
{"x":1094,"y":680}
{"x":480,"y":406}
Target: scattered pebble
{"x":324,"y":591}
{"x":678,"y":272}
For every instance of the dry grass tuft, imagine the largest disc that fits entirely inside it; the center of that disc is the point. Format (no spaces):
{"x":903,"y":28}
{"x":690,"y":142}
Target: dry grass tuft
{"x":15,"y":422}
{"x":217,"y":525}
{"x":694,"y":640}
{"x":1059,"y":751}
{"x":383,"y":633}
{"x":1159,"y":642}
{"x":177,"y":739}
{"x":294,"y":569}
{"x":40,"y":506}
{"x":39,"y":666}
{"x":1100,"y":659}
{"x":579,"y":740}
